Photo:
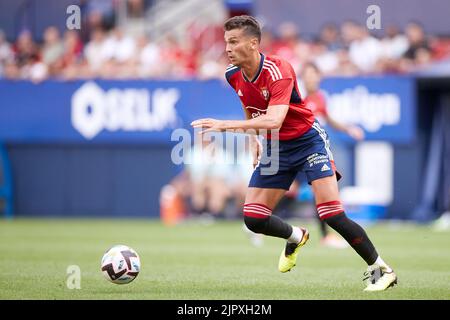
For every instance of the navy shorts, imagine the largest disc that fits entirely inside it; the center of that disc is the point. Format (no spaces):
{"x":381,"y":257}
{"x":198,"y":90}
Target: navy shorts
{"x":309,"y":153}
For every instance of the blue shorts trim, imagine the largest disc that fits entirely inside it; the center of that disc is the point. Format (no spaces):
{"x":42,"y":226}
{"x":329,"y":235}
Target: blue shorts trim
{"x":282,"y":160}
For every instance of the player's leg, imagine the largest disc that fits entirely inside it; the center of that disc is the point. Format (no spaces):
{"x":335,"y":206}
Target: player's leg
{"x":329,"y":239}
{"x":258,"y":217}
{"x":258,"y":206}
{"x":322,"y":175}
{"x":330,"y":210}
{"x":272,"y":177}
{"x":265,"y":189}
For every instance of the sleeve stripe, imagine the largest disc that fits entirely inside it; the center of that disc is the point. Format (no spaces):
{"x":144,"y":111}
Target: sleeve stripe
{"x":230,"y":71}
{"x":275,"y":67}
{"x":271,"y":73}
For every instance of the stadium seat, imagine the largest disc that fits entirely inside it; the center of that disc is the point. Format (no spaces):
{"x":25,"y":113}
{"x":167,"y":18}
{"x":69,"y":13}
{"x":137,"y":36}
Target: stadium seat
{"x":6,"y":192}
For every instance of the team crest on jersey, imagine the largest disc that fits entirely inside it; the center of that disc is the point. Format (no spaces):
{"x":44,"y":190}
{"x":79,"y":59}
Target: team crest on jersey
{"x":265,"y":93}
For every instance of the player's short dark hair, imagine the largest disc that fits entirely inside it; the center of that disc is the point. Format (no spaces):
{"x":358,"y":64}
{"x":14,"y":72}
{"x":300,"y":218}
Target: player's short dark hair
{"x":247,"y":23}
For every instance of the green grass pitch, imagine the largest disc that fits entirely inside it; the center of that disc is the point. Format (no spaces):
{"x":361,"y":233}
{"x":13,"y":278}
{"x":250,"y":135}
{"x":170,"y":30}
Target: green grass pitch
{"x":195,"y":261}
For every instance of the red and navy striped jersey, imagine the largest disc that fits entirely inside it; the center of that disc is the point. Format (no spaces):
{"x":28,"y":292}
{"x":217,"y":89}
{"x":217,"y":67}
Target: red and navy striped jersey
{"x":275,"y":83}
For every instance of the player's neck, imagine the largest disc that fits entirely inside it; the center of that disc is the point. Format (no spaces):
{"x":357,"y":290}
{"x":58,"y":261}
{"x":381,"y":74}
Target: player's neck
{"x":250,"y":69}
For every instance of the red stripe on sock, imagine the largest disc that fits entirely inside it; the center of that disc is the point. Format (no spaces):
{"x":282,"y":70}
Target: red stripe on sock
{"x":256,"y":210}
{"x":253,"y":206}
{"x":329,"y":203}
{"x":331,"y":214}
{"x":329,"y":209}
{"x":321,"y":213}
{"x":257,"y":215}
{"x":258,"y":204}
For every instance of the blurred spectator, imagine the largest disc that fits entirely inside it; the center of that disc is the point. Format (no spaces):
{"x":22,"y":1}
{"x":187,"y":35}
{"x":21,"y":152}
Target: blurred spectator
{"x":120,"y":47}
{"x":210,"y":68}
{"x":329,"y":36}
{"x":25,"y":50}
{"x":364,"y":50}
{"x":178,"y":62}
{"x":418,"y":43}
{"x":394,"y":44}
{"x":289,"y":46}
{"x":52,"y":50}
{"x":419,"y":51}
{"x":100,"y":14}
{"x":393,"y":47}
{"x":326,"y":60}
{"x":267,"y":42}
{"x":27,"y":59}
{"x":149,"y":61}
{"x":209,"y":174}
{"x":6,"y":54}
{"x":11,"y":70}
{"x":244,"y":168}
{"x":72,"y":56}
{"x":135,"y":19}
{"x":95,"y":52}
{"x":126,"y":52}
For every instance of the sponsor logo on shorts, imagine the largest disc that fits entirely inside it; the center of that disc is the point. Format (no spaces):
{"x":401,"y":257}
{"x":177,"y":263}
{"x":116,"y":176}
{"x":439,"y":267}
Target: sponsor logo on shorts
{"x":316,"y":159}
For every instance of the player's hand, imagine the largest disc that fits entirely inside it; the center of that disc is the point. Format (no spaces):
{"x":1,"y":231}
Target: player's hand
{"x":356,"y":133}
{"x":256,"y":149}
{"x":209,"y":124}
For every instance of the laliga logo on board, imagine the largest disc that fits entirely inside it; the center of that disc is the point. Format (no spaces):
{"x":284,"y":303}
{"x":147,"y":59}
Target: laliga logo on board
{"x":370,"y":110}
{"x":94,"y":109}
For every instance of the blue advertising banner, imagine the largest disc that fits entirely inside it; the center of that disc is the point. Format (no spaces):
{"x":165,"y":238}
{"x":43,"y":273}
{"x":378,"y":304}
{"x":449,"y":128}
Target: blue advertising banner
{"x":385,"y":107}
{"x":148,"y":111}
{"x":108,"y":111}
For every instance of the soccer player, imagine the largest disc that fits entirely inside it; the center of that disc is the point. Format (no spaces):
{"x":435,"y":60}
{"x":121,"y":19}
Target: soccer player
{"x":267,"y":88}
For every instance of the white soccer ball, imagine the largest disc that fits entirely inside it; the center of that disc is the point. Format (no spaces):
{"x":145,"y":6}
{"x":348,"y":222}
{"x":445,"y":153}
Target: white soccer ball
{"x":121,"y":264}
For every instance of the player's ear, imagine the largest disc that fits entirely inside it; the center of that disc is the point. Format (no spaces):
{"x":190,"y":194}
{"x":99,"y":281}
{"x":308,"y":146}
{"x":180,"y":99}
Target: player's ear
{"x":254,"y":43}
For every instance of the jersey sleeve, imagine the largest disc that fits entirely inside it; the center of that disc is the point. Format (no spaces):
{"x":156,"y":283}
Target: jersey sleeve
{"x":280,"y":92}
{"x":229,"y":73}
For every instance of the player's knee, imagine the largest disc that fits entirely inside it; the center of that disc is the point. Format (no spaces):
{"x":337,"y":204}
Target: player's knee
{"x":256,"y":217}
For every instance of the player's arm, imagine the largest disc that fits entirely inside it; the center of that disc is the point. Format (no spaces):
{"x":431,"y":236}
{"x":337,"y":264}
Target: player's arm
{"x":272,"y":120}
{"x":246,"y":112}
{"x":353,"y":131}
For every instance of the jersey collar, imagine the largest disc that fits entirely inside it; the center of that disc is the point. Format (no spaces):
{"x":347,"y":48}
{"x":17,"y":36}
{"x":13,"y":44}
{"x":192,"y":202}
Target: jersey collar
{"x":261,"y":62}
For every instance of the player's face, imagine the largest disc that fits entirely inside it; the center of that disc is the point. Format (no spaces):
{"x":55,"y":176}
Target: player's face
{"x":311,"y":79}
{"x":239,"y":46}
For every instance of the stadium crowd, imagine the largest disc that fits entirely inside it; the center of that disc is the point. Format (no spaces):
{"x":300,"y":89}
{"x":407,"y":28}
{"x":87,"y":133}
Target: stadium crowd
{"x":103,"y":50}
